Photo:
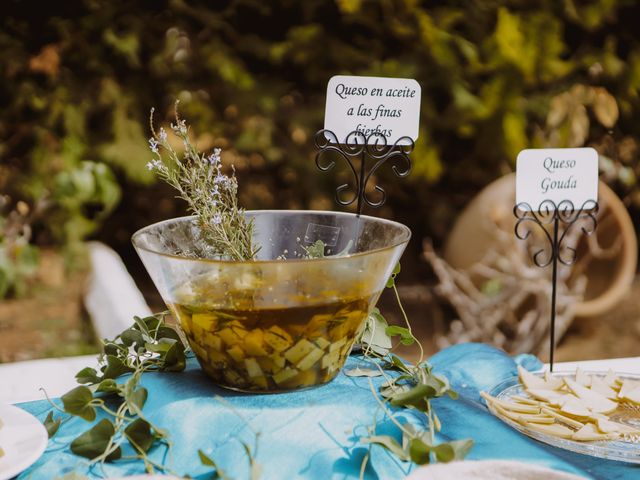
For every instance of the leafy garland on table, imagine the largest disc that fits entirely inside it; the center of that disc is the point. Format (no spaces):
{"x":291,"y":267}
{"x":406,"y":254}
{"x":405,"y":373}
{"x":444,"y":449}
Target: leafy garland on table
{"x":413,"y":387}
{"x":149,"y":345}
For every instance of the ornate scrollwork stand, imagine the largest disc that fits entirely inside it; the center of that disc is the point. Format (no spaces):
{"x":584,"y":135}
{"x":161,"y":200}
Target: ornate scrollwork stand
{"x":555,"y":221}
{"x":365,"y":148}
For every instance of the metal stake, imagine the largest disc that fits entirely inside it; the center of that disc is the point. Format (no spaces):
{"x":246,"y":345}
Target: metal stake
{"x":548,"y":213}
{"x":554,"y":281}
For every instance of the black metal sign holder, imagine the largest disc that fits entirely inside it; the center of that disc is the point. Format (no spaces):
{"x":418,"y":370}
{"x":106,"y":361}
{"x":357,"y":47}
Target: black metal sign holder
{"x":555,"y":221}
{"x":358,"y":150}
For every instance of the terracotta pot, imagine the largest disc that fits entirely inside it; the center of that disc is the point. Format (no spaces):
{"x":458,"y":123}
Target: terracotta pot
{"x":609,"y":277}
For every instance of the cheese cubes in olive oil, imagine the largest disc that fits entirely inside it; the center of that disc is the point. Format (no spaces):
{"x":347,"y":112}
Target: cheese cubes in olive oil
{"x":272,"y":349}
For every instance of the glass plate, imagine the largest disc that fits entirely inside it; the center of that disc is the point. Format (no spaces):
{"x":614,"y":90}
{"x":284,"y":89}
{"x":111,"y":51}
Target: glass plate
{"x":626,"y":450}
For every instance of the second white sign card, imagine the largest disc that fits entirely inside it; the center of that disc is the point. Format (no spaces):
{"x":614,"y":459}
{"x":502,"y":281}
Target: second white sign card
{"x":557,"y":174}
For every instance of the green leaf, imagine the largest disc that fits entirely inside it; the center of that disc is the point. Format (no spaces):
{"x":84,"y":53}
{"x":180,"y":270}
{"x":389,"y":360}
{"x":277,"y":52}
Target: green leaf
{"x":161,"y":347}
{"x":136,"y":400}
{"x":396,"y":363}
{"x":406,"y":338}
{"x":439,"y":383}
{"x":51,"y":425}
{"x":87,"y":375}
{"x":140,"y":435}
{"x":419,"y":451}
{"x":392,"y":279}
{"x":208,"y":462}
{"x":108,"y":385}
{"x":461,"y":448}
{"x":94,"y":442}
{"x":174,"y":359}
{"x":141,"y":324}
{"x":362,"y":372}
{"x":152,"y":322}
{"x":115,"y":367}
{"x":168,"y":332}
{"x":391,"y":389}
{"x":131,"y":336}
{"x":205,"y":460}
{"x":316,"y":250}
{"x":389,"y":443}
{"x":77,"y":402}
{"x":417,"y":397}
{"x":374,"y":334}
{"x":109,"y":348}
{"x":444,"y":452}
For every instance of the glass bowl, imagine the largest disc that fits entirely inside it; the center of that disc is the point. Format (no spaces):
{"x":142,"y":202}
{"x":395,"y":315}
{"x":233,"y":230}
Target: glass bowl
{"x":283,"y":321}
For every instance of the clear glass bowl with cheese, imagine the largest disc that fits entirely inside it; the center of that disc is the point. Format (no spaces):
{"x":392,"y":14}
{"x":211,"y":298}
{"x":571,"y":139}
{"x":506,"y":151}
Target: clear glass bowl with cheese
{"x":282,"y":321}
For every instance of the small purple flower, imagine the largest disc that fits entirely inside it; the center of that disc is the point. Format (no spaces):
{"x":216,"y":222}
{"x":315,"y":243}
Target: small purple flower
{"x":153,"y":144}
{"x":214,"y":158}
{"x":217,"y":219}
{"x":220,"y":179}
{"x":162,"y":135}
{"x":215,"y":191}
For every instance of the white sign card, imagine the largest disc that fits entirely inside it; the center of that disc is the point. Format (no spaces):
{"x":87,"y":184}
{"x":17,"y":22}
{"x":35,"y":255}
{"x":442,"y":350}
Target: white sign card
{"x":557,"y":174}
{"x":388,"y":106}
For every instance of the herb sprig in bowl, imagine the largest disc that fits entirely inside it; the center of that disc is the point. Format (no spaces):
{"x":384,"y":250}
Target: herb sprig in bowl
{"x":211,"y":195}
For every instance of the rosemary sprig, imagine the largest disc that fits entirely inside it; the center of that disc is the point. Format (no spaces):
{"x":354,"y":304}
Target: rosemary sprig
{"x":211,"y":195}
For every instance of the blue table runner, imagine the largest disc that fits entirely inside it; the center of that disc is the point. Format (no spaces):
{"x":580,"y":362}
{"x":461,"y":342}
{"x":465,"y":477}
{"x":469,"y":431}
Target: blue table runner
{"x":314,"y":434}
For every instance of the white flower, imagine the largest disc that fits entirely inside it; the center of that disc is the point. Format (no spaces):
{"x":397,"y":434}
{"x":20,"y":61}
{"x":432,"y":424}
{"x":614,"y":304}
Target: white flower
{"x":217,"y":219}
{"x":154,"y":164}
{"x":220,"y":178}
{"x":153,"y":144}
{"x":215,"y":191}
{"x":162,"y":135}
{"x":180,"y":127}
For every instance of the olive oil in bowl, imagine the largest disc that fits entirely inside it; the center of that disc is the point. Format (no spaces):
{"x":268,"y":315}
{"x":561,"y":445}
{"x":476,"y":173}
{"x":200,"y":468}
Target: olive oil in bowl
{"x":272,"y":350}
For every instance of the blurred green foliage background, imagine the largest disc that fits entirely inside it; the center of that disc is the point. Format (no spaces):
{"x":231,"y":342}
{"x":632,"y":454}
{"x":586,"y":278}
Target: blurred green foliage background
{"x":80,"y":76}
